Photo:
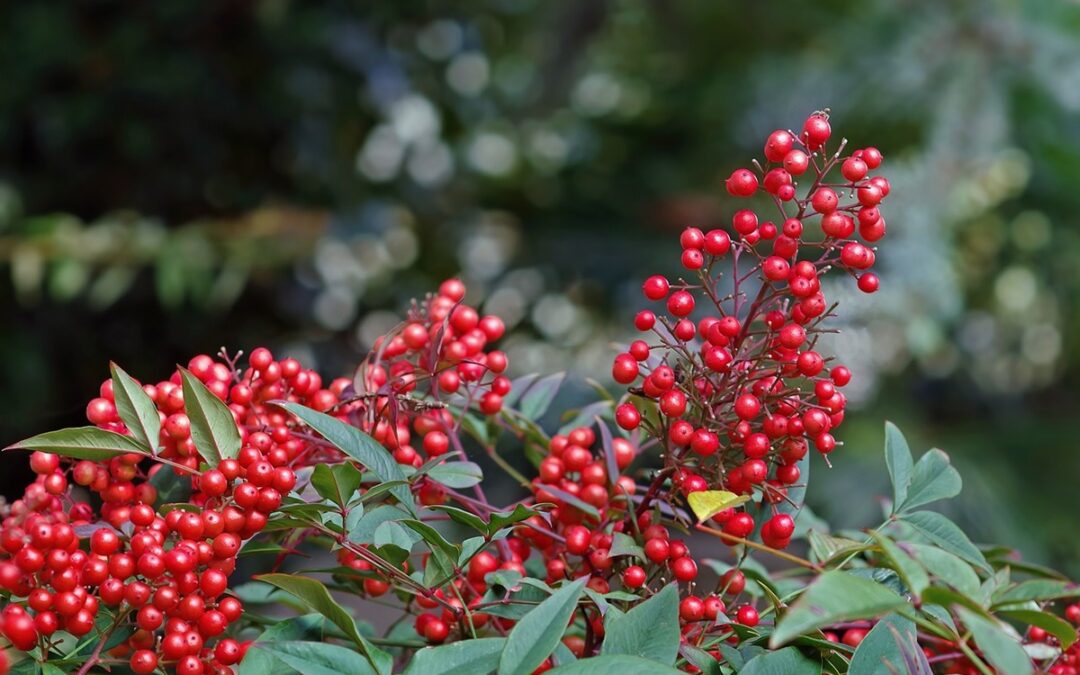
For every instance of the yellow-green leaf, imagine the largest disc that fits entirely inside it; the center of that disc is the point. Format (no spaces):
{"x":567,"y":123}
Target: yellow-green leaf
{"x":708,"y":503}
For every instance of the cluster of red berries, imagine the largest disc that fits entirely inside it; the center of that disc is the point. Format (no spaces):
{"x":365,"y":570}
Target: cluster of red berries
{"x":167,"y":569}
{"x":732,"y":367}
{"x":91,"y":533}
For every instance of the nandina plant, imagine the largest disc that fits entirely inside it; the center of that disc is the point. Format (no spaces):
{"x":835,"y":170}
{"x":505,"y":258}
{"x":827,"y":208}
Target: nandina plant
{"x":134,"y":548}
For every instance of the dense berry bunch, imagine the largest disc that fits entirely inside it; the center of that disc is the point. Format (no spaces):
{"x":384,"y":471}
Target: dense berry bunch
{"x":728,"y":378}
{"x":91,"y":533}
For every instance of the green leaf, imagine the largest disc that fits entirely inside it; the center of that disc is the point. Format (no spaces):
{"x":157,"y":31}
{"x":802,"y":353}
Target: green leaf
{"x":909,"y":569}
{"x":946,"y":597}
{"x":1039,"y":590}
{"x":316,"y":658}
{"x":946,"y":567}
{"x":624,"y":544}
{"x":393,"y":533}
{"x":433,"y":537}
{"x":537,"y":633}
{"x":572,"y":500}
{"x":462,"y":516}
{"x":259,"y":662}
{"x":501,"y":519}
{"x":538,"y":397}
{"x":614,"y":664}
{"x":468,"y":657}
{"x":338,"y":482}
{"x":700,"y":659}
{"x":787,"y":661}
{"x":933,"y":478}
{"x":826,"y":546}
{"x":136,"y":409}
{"x":899,"y":461}
{"x":941,"y":531}
{"x":315,"y":595}
{"x":364,"y":531}
{"x":649,"y":630}
{"x":81,"y":443}
{"x":457,"y":475}
{"x":213,"y":429}
{"x":880,"y":652}
{"x":999,"y":647}
{"x":1052,"y":624}
{"x":469,"y":548}
{"x":171,"y":487}
{"x":834,"y":597}
{"x":358,"y":445}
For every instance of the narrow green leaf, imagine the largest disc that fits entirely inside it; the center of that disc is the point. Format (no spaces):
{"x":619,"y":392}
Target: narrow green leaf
{"x":945,"y":566}
{"x":433,"y":537}
{"x":538,"y":398}
{"x":468,"y":657}
{"x":933,"y":478}
{"x":501,"y":519}
{"x":826,"y":546}
{"x":1039,"y":590}
{"x":338,"y":482}
{"x":649,"y":630}
{"x":899,"y":462}
{"x":834,"y":597}
{"x":999,"y":647}
{"x":316,"y":658}
{"x":315,"y":595}
{"x":136,"y":409}
{"x":462,"y":516}
{"x":537,"y":633}
{"x":456,"y":475}
{"x":572,"y":500}
{"x":615,"y":664}
{"x":909,"y":569}
{"x":945,"y":533}
{"x":787,"y":661}
{"x":946,"y":597}
{"x":358,"y":445}
{"x":880,"y":652}
{"x":81,"y":443}
{"x":213,"y":429}
{"x":1056,"y":626}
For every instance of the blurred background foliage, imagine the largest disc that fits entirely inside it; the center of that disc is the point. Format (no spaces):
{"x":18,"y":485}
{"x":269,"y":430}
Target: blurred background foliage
{"x":178,"y":176}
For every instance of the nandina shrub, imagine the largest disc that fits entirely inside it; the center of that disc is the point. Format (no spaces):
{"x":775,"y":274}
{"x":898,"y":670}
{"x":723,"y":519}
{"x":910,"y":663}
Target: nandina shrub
{"x":124,"y":553}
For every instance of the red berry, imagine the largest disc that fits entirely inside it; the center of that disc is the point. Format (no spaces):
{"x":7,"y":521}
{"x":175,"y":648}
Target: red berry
{"x":747,"y":616}
{"x":633,"y":577}
{"x":742,"y":183}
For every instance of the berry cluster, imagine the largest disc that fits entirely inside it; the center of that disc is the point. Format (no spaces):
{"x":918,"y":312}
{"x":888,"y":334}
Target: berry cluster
{"x":731,"y":369}
{"x":92,"y":533}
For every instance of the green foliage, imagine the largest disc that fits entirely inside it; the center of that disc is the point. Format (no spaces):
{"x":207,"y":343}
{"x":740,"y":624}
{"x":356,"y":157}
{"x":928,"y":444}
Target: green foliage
{"x":649,"y":630}
{"x":81,"y":443}
{"x":213,"y":428}
{"x":537,"y":633}
{"x":359,"y":446}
